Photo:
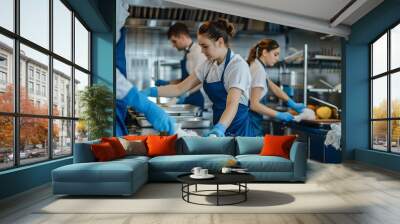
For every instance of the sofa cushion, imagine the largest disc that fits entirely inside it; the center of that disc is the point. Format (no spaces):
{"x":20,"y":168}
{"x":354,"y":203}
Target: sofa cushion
{"x":116,"y":145}
{"x":257,"y":163}
{"x":134,"y":147}
{"x":103,"y":152}
{"x":112,"y":171}
{"x":249,"y":145}
{"x":185,"y":163}
{"x":161,"y":145}
{"x":192,"y":145}
{"x":83,"y":152}
{"x":275,"y":145}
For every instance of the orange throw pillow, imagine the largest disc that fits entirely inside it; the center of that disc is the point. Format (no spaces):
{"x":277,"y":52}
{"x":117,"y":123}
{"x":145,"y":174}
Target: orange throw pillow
{"x":103,"y":152}
{"x":277,"y":145}
{"x":161,"y":145}
{"x":116,"y":145}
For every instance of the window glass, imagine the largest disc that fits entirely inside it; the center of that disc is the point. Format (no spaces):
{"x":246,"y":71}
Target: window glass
{"x":81,"y":131}
{"x":62,"y":138}
{"x":379,"y":135}
{"x":62,"y":91}
{"x":379,"y":56}
{"x":6,"y":142}
{"x":379,"y":98}
{"x":39,"y":62}
{"x":81,"y":45}
{"x":62,"y":29}
{"x":7,"y":14}
{"x":395,"y":47}
{"x":395,"y":95}
{"x":6,"y":74}
{"x":33,"y":139}
{"x":81,"y":81}
{"x":35,"y":21}
{"x":395,"y":136}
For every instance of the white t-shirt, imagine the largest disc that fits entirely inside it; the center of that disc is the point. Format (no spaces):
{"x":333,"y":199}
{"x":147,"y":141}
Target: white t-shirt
{"x":194,"y":58}
{"x":237,"y":74}
{"x":259,"y":76}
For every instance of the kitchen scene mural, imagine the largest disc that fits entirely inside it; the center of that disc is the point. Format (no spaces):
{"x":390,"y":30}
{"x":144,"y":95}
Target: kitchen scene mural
{"x":308,"y":71}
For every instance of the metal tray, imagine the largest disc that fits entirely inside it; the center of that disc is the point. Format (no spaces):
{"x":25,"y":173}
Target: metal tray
{"x":186,"y":122}
{"x":180,"y":109}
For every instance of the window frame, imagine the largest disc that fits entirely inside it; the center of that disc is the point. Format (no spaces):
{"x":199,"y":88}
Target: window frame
{"x":15,"y":68}
{"x":388,"y":74}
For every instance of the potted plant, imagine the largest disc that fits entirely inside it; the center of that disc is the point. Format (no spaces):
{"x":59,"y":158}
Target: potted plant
{"x":96,"y":103}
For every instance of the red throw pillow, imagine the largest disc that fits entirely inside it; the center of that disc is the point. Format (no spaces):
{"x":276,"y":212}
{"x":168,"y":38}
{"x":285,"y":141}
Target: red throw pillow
{"x":103,"y":152}
{"x":116,"y":145}
{"x":161,"y":145}
{"x":277,"y":145}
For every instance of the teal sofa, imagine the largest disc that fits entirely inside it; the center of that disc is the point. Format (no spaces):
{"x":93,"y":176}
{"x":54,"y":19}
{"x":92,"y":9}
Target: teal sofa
{"x":125,"y":176}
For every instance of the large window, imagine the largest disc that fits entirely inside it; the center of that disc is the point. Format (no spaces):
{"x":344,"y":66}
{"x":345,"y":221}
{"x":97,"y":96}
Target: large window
{"x":44,"y":64}
{"x":385,"y":92}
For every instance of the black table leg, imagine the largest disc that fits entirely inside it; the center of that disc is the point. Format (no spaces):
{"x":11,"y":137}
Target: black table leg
{"x":245,"y":193}
{"x":217,"y":194}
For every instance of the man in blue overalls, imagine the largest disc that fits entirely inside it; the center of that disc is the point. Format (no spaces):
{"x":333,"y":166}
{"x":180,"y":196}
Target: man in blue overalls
{"x":180,"y":39}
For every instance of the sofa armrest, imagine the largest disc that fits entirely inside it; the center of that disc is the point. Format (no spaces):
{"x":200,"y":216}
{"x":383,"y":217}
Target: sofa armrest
{"x":83,"y":152}
{"x":298,"y":155}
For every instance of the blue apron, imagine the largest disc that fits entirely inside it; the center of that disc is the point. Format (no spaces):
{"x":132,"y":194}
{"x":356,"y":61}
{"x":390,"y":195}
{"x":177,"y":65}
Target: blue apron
{"x":121,"y":107}
{"x":240,"y":125}
{"x":195,"y":98}
{"x":256,"y":118}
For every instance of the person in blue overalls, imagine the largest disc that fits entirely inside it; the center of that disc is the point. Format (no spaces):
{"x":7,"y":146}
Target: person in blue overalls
{"x":179,"y":36}
{"x":128,"y":95}
{"x":226,"y":81}
{"x":266,"y":53}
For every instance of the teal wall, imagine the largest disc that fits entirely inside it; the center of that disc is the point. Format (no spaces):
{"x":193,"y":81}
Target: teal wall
{"x":99,"y":16}
{"x":356,"y":85}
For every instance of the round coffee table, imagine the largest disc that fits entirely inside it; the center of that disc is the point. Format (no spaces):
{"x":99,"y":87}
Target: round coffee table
{"x":238,"y":179}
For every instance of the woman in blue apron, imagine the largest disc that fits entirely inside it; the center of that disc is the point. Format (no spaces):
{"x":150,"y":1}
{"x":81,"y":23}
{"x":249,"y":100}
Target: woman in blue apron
{"x":266,"y":53}
{"x":226,"y":80}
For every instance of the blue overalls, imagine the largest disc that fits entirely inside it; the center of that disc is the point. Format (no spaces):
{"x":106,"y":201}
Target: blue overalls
{"x":256,"y":118}
{"x":121,"y":107}
{"x":195,"y":98}
{"x":240,"y":125}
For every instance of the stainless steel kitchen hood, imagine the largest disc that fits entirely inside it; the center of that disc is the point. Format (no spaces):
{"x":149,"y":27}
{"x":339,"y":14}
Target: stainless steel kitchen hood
{"x":162,"y":16}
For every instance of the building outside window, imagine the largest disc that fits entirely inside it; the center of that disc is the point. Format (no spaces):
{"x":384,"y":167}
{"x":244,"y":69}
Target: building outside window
{"x":34,"y":70}
{"x":30,"y":87}
{"x":30,"y":72}
{"x":385,"y":95}
{"x":3,"y":78}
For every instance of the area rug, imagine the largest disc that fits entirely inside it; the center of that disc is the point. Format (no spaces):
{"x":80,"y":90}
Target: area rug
{"x":167,"y":198}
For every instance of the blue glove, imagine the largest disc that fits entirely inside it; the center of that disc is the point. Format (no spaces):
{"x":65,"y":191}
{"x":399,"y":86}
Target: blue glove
{"x":160,"y":120}
{"x":298,"y":107}
{"x":284,"y":116}
{"x":161,"y":82}
{"x":181,"y":98}
{"x":154,"y":114}
{"x":150,"y":91}
{"x":218,"y":130}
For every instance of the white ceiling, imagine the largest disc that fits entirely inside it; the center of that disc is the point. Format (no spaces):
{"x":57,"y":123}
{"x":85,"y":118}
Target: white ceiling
{"x":320,"y":9}
{"x":314,"y":15}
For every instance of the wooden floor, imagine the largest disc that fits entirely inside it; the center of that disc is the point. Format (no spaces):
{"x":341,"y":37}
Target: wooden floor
{"x":378,"y":188}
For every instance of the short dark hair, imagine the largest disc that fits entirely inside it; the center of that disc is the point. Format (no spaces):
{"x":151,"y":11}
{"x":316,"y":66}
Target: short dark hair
{"x":177,"y":29}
